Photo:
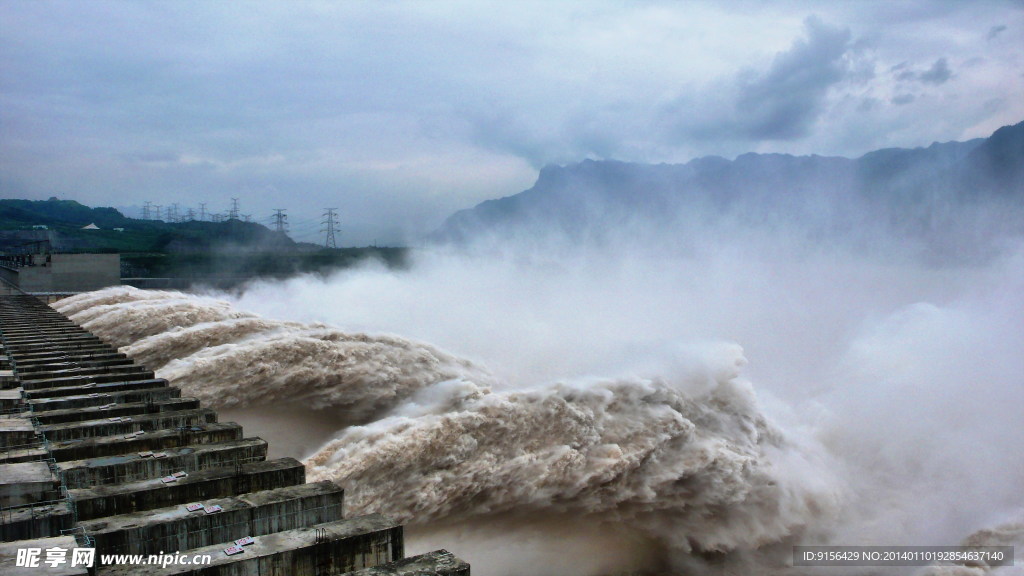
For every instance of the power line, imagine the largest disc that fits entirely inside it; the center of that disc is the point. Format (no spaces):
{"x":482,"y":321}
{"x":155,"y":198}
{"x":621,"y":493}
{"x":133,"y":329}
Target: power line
{"x":330,"y":214}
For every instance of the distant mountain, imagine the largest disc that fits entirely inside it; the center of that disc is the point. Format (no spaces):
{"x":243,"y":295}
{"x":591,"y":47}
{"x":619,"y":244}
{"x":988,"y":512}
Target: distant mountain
{"x":925,"y":194}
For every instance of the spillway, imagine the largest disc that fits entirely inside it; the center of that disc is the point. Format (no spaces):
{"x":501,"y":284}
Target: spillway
{"x":96,"y":453}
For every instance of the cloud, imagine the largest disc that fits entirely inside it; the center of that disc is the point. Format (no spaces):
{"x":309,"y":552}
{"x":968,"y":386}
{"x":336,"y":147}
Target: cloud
{"x":902,"y":72}
{"x":785,"y":102}
{"x":995,"y":31}
{"x":781,"y":103}
{"x":407,"y":111}
{"x":939,"y":73}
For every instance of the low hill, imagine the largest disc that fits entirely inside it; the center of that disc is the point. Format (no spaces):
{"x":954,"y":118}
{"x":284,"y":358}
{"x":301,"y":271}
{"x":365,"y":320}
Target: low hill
{"x":69,"y":227}
{"x":158,"y":254}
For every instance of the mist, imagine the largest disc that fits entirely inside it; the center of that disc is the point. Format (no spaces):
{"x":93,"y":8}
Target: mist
{"x":653,"y":402}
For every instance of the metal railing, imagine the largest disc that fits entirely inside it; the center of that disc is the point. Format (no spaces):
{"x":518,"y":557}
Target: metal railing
{"x":82,"y":538}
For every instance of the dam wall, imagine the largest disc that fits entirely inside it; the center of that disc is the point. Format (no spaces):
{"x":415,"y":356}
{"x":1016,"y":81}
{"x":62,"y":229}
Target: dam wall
{"x":98,"y":454}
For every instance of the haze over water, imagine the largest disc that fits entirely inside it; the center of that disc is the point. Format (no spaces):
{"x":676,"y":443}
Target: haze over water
{"x":691,"y":408}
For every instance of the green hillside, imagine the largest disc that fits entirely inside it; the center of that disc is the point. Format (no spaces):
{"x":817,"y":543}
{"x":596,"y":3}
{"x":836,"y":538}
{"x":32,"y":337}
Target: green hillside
{"x":64,"y":222}
{"x":190,"y":250}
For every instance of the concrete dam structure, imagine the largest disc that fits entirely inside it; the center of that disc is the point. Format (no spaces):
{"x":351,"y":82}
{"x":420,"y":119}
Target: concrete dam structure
{"x":96,"y":453}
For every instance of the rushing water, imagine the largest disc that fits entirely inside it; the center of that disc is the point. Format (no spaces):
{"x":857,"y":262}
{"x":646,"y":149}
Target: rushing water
{"x":604,"y":424}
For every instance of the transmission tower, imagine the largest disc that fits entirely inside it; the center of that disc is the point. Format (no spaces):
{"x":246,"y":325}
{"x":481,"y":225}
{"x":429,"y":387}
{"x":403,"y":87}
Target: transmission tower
{"x":330,"y":215}
{"x":202,"y":211}
{"x":158,"y":207}
{"x":280,"y":220}
{"x":234,"y":209}
{"x":191,"y":216}
{"x":246,"y":217}
{"x":172,"y":212}
{"x":145,"y":210}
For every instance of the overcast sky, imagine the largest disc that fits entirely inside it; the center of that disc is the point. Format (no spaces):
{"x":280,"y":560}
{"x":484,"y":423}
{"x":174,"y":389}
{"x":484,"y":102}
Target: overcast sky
{"x":400,"y":113}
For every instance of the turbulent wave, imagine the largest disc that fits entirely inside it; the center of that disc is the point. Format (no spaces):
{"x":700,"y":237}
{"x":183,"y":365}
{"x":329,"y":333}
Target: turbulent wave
{"x":126,"y":315}
{"x":697,"y":471}
{"x":229,"y":358}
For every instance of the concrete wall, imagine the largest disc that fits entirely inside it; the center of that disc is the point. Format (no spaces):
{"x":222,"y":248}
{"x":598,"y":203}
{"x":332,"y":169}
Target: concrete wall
{"x":72,"y":273}
{"x":8,"y":276}
{"x":67,"y":273}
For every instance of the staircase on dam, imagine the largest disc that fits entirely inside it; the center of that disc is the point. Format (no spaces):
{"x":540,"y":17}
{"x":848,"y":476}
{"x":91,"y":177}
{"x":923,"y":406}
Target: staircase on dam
{"x":96,"y":453}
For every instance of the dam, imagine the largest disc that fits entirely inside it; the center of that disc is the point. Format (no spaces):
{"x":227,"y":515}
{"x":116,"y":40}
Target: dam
{"x":105,"y":469}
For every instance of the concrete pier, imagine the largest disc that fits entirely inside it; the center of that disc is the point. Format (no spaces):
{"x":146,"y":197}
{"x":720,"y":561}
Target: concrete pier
{"x":96,"y":453}
{"x":440,"y":562}
{"x":113,"y":409}
{"x":84,"y":389}
{"x":44,"y":361}
{"x":16,"y":432}
{"x":332,"y":548}
{"x":37,"y":520}
{"x":25,"y":483}
{"x":120,"y":425}
{"x":155,"y":441}
{"x":255,"y":514}
{"x":10,"y":399}
{"x":101,"y":399}
{"x":125,"y":498}
{"x":115,"y":360}
{"x":140,"y":465}
{"x":9,"y":557}
{"x":89,"y":448}
{"x":82,"y":379}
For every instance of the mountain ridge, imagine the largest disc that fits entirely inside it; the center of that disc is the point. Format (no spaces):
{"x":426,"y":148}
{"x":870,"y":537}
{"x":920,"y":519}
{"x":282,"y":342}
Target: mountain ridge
{"x":922,"y":182}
